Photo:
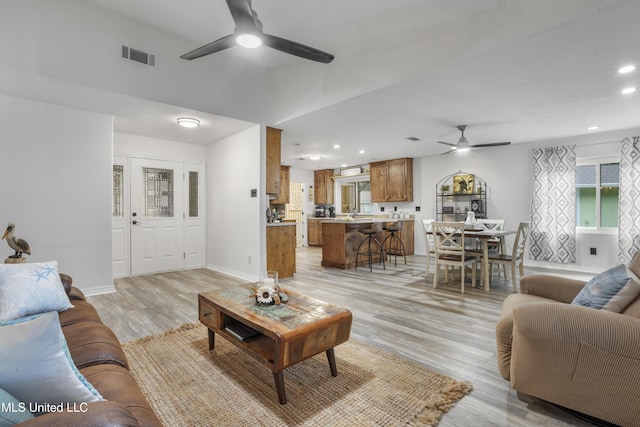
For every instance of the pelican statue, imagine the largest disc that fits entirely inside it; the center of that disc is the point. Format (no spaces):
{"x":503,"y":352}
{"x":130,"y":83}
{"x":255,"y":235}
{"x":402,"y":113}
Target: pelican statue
{"x":17,"y":244}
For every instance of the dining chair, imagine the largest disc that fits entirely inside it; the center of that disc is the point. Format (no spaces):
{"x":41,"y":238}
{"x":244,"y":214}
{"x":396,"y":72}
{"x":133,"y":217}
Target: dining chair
{"x":430,"y":245}
{"x":448,"y":238}
{"x":517,"y":254}
{"x":497,"y":244}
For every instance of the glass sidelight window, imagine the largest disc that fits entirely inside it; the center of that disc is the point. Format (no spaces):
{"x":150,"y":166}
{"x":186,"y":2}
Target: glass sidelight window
{"x":193,"y":194}
{"x":157,"y":193}
{"x":118,"y":191}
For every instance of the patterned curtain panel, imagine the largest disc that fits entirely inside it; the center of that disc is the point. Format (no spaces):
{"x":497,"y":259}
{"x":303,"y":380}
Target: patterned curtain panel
{"x":629,"y":200}
{"x":553,"y":207}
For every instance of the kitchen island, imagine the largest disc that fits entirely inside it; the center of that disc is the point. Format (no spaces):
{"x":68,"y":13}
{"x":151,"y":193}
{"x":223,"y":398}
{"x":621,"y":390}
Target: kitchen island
{"x":340,"y":241}
{"x":281,"y":248}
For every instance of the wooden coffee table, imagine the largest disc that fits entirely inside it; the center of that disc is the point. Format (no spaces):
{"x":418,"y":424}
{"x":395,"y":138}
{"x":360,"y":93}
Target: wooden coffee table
{"x":278,"y":336}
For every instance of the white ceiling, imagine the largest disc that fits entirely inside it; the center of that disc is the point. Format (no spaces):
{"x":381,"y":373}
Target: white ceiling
{"x":512,"y":70}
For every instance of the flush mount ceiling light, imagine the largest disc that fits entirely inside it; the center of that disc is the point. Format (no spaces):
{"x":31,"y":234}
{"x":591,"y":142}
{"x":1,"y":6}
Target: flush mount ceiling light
{"x":628,"y":90}
{"x":593,"y":128}
{"x":314,"y":157}
{"x":627,"y":69}
{"x":248,"y":40}
{"x":188,"y":122}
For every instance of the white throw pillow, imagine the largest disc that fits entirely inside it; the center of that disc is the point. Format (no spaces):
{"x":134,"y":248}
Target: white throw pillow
{"x":611,"y":290}
{"x":31,"y":288}
{"x":36,"y":364}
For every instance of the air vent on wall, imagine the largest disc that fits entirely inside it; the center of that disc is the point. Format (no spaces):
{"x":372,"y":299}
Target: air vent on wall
{"x":137,"y":55}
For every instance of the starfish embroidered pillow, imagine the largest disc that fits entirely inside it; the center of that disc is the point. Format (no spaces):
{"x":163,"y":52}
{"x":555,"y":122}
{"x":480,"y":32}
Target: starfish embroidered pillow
{"x":611,"y":290}
{"x":31,"y":288}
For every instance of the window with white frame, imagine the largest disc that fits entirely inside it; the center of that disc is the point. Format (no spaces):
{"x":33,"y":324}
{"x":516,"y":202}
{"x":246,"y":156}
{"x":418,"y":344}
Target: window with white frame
{"x":597,"y":185}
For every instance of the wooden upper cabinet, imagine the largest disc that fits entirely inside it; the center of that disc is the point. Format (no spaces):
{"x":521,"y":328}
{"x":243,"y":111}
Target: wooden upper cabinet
{"x":323,"y":183}
{"x":273,"y":161}
{"x":285,"y":178}
{"x":392,"y":180}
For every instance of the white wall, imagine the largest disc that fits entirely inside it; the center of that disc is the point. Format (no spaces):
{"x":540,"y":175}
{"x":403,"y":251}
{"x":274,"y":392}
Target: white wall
{"x":508,"y":172}
{"x":129,"y":145}
{"x":56,"y":185}
{"x":236,"y":235}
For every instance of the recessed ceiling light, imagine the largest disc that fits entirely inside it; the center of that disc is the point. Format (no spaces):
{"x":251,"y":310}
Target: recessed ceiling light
{"x":627,"y":69}
{"x":336,"y":146}
{"x":314,"y":156}
{"x":188,"y":122}
{"x":361,"y":151}
{"x":593,"y":127}
{"x":628,"y":90}
{"x":248,"y":40}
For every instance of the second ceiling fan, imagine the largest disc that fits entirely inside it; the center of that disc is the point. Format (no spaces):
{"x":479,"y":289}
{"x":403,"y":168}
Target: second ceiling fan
{"x":248,"y":33}
{"x":463,"y":143}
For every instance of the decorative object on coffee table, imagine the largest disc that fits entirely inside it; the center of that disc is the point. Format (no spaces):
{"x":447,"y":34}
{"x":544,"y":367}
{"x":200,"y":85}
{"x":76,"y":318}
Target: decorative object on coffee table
{"x":19,"y":245}
{"x":267,"y":291}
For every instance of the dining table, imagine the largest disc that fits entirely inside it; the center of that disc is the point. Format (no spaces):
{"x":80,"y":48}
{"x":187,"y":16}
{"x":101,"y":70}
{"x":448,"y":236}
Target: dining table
{"x":483,"y":236}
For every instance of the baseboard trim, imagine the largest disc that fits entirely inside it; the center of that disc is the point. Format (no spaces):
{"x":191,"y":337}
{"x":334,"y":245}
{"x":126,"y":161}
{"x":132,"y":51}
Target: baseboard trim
{"x":234,"y":273}
{"x":98,"y":290}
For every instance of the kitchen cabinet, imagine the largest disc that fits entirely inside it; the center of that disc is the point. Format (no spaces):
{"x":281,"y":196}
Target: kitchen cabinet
{"x":392,"y":180}
{"x":283,"y":195}
{"x":273,"y":161}
{"x":314,"y":232}
{"x":323,"y":187}
{"x":281,"y":248}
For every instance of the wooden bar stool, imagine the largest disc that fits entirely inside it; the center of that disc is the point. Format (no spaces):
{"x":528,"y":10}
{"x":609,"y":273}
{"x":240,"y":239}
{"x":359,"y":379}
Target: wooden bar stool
{"x":395,"y":242}
{"x":370,"y":239}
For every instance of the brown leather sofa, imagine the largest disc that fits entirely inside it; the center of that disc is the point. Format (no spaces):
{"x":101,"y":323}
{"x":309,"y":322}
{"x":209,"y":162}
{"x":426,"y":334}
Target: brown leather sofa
{"x":577,"y":357}
{"x":99,"y":357}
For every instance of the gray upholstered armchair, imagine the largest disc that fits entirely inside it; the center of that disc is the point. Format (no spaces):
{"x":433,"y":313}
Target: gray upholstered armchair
{"x":581,"y":358}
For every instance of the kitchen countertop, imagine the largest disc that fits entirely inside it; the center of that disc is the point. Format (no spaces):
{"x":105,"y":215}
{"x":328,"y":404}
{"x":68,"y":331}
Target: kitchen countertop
{"x":280,"y":224}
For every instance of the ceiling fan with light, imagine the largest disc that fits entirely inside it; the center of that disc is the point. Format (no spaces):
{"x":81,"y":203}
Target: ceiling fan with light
{"x":463,"y":143}
{"x":248,"y":33}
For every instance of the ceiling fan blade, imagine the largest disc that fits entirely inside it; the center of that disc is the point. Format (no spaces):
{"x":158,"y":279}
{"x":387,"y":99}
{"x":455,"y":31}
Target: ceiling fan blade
{"x":447,"y":143}
{"x":216,"y":46}
{"x":492,"y":144}
{"x":242,"y":14}
{"x":297,"y":49}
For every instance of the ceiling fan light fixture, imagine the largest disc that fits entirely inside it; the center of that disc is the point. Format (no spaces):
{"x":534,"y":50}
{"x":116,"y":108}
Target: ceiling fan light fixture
{"x":188,"y":122}
{"x":248,"y":40}
{"x":626,"y":69}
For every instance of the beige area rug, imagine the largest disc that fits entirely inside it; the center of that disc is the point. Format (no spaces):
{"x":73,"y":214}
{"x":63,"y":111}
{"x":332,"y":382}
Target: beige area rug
{"x":188,"y":385}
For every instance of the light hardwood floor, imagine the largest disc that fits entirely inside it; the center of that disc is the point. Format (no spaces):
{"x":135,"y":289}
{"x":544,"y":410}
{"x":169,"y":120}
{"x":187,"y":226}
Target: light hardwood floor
{"x":396,"y":309}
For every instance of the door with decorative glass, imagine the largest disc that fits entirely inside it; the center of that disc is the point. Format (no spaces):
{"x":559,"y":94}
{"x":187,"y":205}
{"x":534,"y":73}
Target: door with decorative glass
{"x":120,"y":241}
{"x":157,"y":216}
{"x":194,"y":216}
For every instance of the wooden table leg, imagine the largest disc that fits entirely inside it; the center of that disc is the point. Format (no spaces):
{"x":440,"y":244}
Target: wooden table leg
{"x":485,"y":264}
{"x":212,"y":339}
{"x":332,"y":362}
{"x":279,"y":380}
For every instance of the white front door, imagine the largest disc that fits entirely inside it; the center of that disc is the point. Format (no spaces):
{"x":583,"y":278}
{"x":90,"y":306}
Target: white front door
{"x":120,"y":213}
{"x":195,"y":233}
{"x":157,"y":216}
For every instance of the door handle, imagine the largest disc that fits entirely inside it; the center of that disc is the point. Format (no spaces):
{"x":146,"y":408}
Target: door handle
{"x":134,"y":222}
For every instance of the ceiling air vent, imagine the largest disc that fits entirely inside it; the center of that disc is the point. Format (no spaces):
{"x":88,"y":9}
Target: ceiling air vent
{"x":137,"y":55}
